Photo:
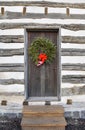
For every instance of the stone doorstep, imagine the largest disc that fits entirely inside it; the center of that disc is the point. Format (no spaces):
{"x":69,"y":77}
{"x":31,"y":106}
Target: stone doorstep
{"x":75,"y":110}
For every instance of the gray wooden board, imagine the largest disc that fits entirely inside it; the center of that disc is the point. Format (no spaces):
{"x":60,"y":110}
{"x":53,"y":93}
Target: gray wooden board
{"x":74,"y":27}
{"x":19,"y":67}
{"x":64,"y":52}
{"x":43,"y":4}
{"x":20,"y":39}
{"x":18,"y":15}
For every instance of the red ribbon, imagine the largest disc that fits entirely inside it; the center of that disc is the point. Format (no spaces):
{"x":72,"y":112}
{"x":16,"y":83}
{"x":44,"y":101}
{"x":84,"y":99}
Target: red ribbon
{"x":42,"y":58}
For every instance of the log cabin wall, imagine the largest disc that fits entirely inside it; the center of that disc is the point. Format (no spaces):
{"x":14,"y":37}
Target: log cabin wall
{"x":15,"y":15}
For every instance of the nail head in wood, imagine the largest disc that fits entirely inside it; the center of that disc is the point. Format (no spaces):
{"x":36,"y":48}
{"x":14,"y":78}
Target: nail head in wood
{"x":2,"y":10}
{"x":69,"y":101}
{"x":3,"y":102}
{"x":24,"y":10}
{"x":67,"y":11}
{"x":46,"y":10}
{"x":25,"y":103}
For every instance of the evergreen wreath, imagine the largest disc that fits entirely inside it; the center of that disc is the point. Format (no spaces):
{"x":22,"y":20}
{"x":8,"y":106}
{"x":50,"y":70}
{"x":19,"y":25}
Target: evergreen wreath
{"x":42,"y":50}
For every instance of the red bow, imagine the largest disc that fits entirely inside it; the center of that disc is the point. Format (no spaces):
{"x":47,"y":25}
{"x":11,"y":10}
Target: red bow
{"x":42,"y":58}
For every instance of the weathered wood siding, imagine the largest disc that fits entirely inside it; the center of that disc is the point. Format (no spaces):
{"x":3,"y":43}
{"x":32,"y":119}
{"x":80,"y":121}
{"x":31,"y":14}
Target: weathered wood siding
{"x":44,"y":81}
{"x":12,"y":25}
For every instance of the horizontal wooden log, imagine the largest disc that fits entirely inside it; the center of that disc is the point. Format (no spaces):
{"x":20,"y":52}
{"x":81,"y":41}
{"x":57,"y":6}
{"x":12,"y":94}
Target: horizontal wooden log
{"x":65,"y":52}
{"x":12,"y":67}
{"x":73,"y":52}
{"x":20,"y":39}
{"x":73,"y":39}
{"x":11,"y":52}
{"x":76,"y":79}
{"x":18,"y":15}
{"x":11,"y":81}
{"x":11,"y":94}
{"x":11,"y":39}
{"x":43,"y":4}
{"x":74,"y":27}
{"x":75,"y":66}
{"x":19,"y":67}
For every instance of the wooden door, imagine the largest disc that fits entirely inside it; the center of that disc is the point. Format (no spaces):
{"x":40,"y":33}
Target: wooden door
{"x":42,"y":83}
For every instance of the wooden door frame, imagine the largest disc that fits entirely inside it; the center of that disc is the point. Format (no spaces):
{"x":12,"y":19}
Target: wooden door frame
{"x":26,"y":82}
